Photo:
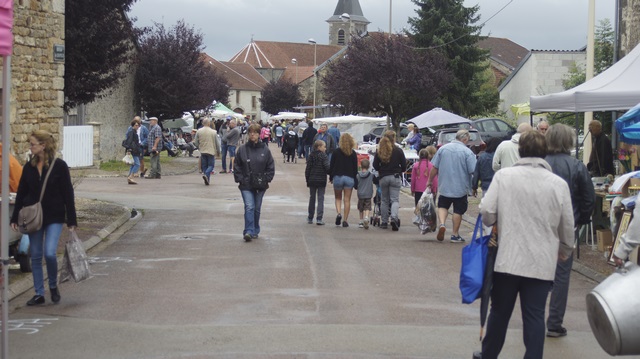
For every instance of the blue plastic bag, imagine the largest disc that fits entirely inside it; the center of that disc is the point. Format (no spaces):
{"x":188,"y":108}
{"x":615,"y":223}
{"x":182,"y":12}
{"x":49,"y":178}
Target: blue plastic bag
{"x":474,"y":258}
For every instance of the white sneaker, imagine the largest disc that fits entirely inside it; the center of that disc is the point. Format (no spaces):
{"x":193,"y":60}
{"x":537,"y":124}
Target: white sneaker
{"x":361,"y":225}
{"x":365,"y":222}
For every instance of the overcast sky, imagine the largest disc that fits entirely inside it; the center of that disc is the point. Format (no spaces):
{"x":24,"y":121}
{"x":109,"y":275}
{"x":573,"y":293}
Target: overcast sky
{"x":229,"y":25}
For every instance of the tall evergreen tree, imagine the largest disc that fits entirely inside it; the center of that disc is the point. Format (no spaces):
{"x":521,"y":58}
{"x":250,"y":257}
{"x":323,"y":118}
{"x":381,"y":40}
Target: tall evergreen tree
{"x":448,"y":27}
{"x":99,"y":39}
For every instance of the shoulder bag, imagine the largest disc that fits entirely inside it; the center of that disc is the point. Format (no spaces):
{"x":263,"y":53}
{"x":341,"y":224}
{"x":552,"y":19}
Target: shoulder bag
{"x":30,"y":217}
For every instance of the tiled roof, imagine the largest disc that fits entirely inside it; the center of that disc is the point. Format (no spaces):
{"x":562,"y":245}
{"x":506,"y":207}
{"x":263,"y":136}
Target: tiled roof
{"x":504,"y":51}
{"x":351,"y":7}
{"x":241,"y":76}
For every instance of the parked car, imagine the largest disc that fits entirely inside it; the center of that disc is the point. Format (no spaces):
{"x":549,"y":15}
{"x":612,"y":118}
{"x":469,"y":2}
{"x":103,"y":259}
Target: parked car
{"x":493,"y":127}
{"x":376,"y":133}
{"x":445,"y":135}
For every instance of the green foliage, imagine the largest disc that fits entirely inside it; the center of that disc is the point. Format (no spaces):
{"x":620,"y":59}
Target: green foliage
{"x":446,"y":26}
{"x":603,"y":59}
{"x":383,"y":74}
{"x":172,"y":75}
{"x":280,"y":95}
{"x":99,"y":42}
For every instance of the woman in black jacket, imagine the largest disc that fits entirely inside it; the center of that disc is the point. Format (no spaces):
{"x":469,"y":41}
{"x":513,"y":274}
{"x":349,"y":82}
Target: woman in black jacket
{"x":132,"y":144}
{"x":390,"y":164}
{"x":342,"y":173}
{"x":253,"y":159}
{"x":57,"y":207}
{"x":316,"y":176}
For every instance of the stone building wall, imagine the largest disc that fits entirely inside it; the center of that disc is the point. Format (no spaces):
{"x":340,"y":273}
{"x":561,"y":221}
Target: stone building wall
{"x":114,"y":113}
{"x":629,"y":26}
{"x":37,"y":93}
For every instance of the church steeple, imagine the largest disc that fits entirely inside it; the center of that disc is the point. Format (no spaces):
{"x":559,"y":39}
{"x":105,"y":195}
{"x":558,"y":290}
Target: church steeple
{"x":341,"y":28}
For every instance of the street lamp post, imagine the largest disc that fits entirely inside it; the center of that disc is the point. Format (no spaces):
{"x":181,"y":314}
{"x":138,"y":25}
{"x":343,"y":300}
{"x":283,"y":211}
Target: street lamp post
{"x":315,"y":74}
{"x":295,"y":62}
{"x":390,"y":11}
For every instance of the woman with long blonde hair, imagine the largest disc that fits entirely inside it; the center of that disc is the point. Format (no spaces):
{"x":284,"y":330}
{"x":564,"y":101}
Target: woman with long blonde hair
{"x":58,"y":206}
{"x":390,"y":163}
{"x":342,"y":173}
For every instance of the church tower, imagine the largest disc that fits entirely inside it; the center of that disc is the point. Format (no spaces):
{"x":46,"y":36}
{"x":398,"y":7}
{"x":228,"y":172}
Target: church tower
{"x":342,"y":27}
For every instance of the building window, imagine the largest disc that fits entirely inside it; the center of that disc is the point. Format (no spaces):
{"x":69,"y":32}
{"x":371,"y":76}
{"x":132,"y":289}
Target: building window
{"x":254,"y":103}
{"x":237,"y":97}
{"x":340,"y":37}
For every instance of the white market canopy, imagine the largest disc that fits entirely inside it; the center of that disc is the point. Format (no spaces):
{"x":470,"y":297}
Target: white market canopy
{"x":288,"y":116}
{"x":617,"y":88}
{"x":437,"y":117}
{"x":357,"y":126}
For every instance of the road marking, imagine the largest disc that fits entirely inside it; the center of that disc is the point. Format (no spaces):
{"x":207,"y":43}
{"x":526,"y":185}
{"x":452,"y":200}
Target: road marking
{"x":31,"y":326}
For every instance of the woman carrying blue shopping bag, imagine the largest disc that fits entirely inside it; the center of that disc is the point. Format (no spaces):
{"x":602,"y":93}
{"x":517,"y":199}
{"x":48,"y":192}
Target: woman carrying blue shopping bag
{"x":533,"y":208}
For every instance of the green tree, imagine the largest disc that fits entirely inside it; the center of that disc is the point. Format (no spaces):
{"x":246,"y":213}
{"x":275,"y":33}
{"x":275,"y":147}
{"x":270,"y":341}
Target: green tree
{"x":172,"y":75}
{"x":99,"y":42}
{"x":382,"y":74}
{"x":604,"y":37}
{"x":280,"y":95}
{"x":446,"y":26}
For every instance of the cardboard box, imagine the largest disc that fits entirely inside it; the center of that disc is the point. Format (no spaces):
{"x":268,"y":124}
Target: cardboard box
{"x":604,"y":239}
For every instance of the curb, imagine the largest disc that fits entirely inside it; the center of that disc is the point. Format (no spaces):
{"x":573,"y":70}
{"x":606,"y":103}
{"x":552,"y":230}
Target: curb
{"x":124,"y":222}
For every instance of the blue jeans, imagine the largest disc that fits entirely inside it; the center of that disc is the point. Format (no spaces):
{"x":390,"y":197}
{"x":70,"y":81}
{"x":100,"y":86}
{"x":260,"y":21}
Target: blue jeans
{"x":301,"y":152}
{"x":135,"y":166}
{"x":45,"y":240}
{"x":224,"y":157}
{"x":252,"y":204}
{"x":207,"y":162}
{"x":307,"y":150}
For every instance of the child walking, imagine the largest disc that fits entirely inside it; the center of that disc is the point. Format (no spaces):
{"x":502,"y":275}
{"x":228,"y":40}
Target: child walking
{"x":316,"y":176}
{"x":365,"y":192}
{"x":420,"y":173}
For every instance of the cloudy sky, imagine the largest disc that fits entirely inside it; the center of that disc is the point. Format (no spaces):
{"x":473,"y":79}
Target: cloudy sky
{"x":228,"y":25}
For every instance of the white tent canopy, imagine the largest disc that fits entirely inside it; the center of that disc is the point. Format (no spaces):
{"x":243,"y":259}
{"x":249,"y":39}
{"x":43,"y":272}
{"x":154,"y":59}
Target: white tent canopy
{"x":288,"y":116}
{"x":617,"y":88}
{"x":437,"y":117}
{"x":356,"y":126}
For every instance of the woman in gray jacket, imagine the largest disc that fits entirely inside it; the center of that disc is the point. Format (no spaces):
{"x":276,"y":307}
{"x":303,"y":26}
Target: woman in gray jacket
{"x":532,"y":208}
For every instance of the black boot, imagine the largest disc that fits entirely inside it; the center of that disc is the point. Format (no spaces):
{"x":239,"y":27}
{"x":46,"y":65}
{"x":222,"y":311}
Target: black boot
{"x":55,"y":294}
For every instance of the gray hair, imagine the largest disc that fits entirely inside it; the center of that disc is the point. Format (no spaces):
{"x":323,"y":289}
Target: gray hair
{"x":560,"y":139}
{"x":206,"y":121}
{"x":524,"y":127}
{"x":462,"y":134}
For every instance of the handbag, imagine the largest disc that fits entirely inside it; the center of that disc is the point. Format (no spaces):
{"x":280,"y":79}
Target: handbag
{"x":474,"y":258}
{"x":76,"y":257}
{"x":30,"y":217}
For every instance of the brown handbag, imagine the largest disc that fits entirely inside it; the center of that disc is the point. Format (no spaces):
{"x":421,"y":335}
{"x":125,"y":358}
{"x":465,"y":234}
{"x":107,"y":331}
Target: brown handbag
{"x":30,"y":217}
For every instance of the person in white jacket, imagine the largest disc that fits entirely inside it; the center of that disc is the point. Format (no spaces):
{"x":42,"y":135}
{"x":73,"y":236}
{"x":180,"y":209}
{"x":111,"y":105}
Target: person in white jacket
{"x":532,"y":209}
{"x":507,"y":152}
{"x":630,"y":240}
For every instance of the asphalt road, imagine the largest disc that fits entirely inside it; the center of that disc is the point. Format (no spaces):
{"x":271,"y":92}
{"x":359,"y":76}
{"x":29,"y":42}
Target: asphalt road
{"x":182,"y":283}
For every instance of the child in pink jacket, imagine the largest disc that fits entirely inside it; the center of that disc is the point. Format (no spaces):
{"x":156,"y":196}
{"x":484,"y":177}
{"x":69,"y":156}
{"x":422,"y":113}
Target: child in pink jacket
{"x":421,"y":171}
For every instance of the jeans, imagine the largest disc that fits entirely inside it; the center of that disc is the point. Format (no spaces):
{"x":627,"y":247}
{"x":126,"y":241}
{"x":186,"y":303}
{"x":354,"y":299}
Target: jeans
{"x":301,"y":152}
{"x":252,"y":204}
{"x":45,"y":240}
{"x":224,"y":157}
{"x":307,"y":150}
{"x":559,"y":294}
{"x":390,"y":186}
{"x":319,"y":192}
{"x":207,"y":162}
{"x":135,"y":166}
{"x":533,"y":299}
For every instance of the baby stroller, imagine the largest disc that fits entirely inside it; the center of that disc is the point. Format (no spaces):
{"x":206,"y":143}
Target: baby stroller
{"x":289,"y":146}
{"x":377,"y":199}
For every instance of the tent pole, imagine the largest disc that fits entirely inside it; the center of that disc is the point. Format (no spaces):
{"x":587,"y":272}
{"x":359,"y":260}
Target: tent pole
{"x":4,"y":207}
